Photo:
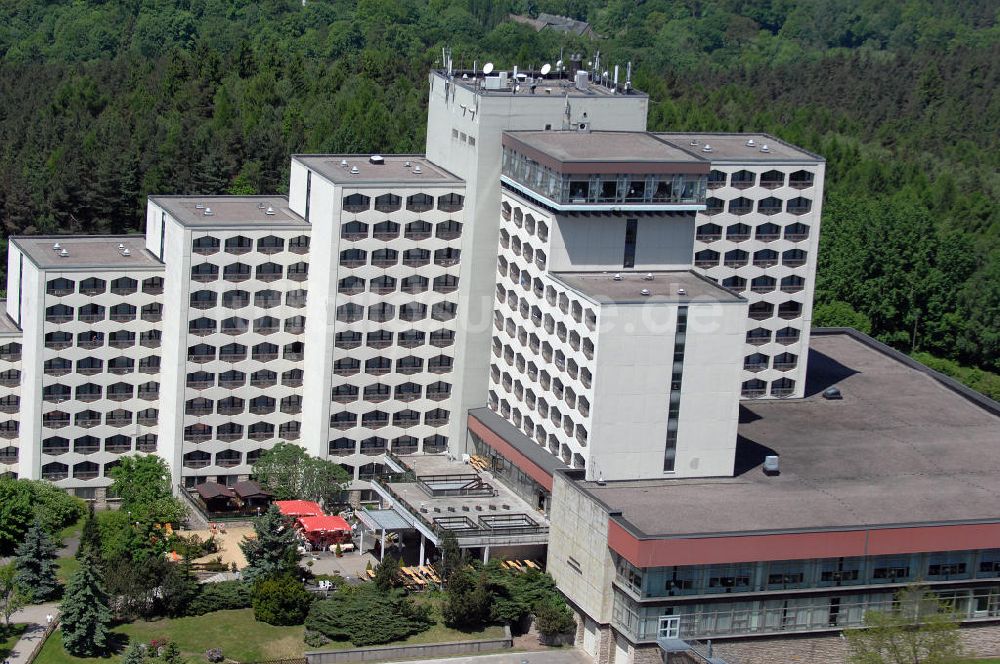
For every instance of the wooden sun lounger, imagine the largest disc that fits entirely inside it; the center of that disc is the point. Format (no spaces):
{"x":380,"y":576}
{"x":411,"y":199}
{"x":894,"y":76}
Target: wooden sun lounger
{"x":532,"y":564}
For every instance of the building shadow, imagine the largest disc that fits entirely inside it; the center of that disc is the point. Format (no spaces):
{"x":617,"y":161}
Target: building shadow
{"x":749,"y":455}
{"x":824,"y":372}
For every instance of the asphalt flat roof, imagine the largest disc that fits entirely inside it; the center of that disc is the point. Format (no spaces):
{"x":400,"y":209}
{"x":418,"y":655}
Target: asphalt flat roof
{"x":733,"y":147}
{"x":899,"y":448}
{"x":604,"y":146}
{"x":236,"y":211}
{"x":664,"y":287}
{"x":87,"y":252}
{"x":395,"y":169}
{"x":514,"y":437}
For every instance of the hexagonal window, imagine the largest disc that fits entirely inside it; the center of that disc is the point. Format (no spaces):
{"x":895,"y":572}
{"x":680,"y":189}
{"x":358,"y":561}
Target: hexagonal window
{"x":386,"y":230}
{"x":419,"y":202}
{"x":713,"y":205}
{"x":354,"y":230}
{"x":270,"y":244}
{"x":55,"y":445}
{"x":706,"y":258}
{"x":356,"y":203}
{"x":716,"y":179}
{"x":235,"y":325}
{"x":708,"y":233}
{"x":376,"y":419}
{"x":801,"y":179}
{"x":769,"y":206}
{"x":738,"y":232}
{"x":205,"y":245}
{"x":266,"y":325}
{"x":736,"y":258}
{"x":740,"y":206}
{"x":388,"y":203}
{"x":743,"y":179}
{"x":772,"y":179}
{"x":238,"y":245}
{"x":799,"y":205}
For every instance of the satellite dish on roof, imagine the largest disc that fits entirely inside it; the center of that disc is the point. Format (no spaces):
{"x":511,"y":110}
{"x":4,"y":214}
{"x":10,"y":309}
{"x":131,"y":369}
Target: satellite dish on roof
{"x":488,"y":68}
{"x":546,"y":68}
{"x":559,"y":64}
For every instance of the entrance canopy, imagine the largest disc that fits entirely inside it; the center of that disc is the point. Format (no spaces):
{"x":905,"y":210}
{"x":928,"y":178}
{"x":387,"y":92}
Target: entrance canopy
{"x":299,"y":508}
{"x":388,"y":520}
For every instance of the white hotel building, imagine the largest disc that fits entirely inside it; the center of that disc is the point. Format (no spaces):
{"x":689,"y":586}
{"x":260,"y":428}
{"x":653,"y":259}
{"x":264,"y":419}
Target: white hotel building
{"x":365,"y":312}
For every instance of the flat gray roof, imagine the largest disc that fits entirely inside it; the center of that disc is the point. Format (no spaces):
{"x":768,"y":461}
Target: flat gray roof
{"x":664,"y":287}
{"x":605,"y":146}
{"x":7,"y":326}
{"x":87,"y":252}
{"x":733,"y":147}
{"x":230,"y":211}
{"x":395,"y":169}
{"x":900,"y":448}
{"x":516,"y":439}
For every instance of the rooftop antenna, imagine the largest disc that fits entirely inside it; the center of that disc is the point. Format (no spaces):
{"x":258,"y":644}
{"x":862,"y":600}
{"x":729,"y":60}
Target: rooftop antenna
{"x":628,"y":77}
{"x":616,"y":78}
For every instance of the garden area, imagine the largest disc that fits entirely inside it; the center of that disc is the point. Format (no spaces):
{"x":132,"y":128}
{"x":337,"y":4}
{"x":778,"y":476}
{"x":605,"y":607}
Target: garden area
{"x":130,"y":593}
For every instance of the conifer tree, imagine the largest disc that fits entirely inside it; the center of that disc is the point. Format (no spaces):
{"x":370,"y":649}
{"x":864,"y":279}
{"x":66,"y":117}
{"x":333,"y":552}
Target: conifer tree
{"x":35,"y":565}
{"x":273,"y":550}
{"x":135,"y":654}
{"x":86,"y":618}
{"x":90,"y":536}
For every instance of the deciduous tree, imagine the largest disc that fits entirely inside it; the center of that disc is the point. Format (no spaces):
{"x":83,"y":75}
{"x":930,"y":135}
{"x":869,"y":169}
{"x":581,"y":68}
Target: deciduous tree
{"x":917,"y":629}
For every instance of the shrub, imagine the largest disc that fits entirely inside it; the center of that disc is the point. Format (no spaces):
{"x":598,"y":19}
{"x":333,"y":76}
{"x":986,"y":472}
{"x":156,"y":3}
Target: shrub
{"x":220,"y":596}
{"x":468,"y":600}
{"x":214,"y":655}
{"x":365,"y":616}
{"x":553,"y":618}
{"x":281,"y":601}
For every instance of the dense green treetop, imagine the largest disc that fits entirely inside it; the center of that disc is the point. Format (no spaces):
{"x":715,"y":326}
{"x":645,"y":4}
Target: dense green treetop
{"x":108,"y":101}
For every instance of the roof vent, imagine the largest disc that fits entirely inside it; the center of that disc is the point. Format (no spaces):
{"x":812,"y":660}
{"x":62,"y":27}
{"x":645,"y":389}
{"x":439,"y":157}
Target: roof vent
{"x":645,"y":291}
{"x":120,"y":246}
{"x":56,"y":246}
{"x":772,"y":465}
{"x":694,"y":141}
{"x":648,"y":277}
{"x":406,"y":164}
{"x":260,"y":206}
{"x":681,"y":291}
{"x":416,"y":169}
{"x":355,"y":170}
{"x":343,"y":163}
{"x":199,"y":206}
{"x":63,"y":253}
{"x":600,"y":479}
{"x":269,"y":211}
{"x":707,"y":148}
{"x":618,"y":276}
{"x":376,"y":159}
{"x":765,"y":148}
{"x":832,"y":393}
{"x":208,"y":212}
{"x":126,"y":252}
{"x":750,"y":143}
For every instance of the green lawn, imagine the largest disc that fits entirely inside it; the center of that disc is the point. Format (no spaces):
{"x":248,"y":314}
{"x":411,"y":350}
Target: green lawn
{"x":66,"y":568}
{"x":9,"y":637}
{"x":236,"y":632}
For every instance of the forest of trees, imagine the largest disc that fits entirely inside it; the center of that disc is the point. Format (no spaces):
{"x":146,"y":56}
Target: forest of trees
{"x":106,"y":101}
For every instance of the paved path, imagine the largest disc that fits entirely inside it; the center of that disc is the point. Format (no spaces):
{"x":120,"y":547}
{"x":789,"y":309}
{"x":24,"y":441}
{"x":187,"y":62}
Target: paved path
{"x":560,"y":656}
{"x":34,"y":614}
